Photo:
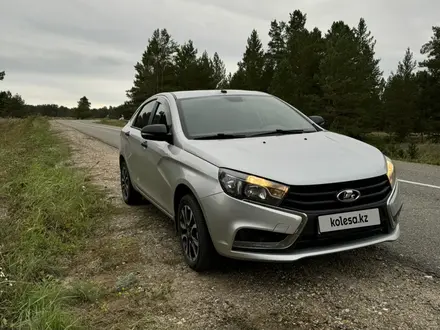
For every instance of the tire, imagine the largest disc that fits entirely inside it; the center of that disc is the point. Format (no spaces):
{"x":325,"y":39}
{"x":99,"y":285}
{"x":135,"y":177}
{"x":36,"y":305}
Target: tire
{"x":130,"y":195}
{"x":206,"y":254}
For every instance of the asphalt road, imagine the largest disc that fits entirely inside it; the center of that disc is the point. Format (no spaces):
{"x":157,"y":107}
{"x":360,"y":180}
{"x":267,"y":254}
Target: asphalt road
{"x":419,"y":244}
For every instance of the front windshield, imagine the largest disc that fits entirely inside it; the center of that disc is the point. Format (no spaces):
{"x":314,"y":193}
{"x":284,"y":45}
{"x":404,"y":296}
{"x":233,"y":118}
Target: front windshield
{"x":239,"y":114}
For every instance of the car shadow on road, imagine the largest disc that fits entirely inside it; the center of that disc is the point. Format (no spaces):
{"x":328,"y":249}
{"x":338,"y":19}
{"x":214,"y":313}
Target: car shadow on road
{"x":356,"y":261}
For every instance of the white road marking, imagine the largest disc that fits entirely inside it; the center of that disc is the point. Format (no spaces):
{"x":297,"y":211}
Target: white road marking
{"x":420,"y":184}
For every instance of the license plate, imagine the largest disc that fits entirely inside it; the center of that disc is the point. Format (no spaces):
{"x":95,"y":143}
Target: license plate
{"x":349,"y":220}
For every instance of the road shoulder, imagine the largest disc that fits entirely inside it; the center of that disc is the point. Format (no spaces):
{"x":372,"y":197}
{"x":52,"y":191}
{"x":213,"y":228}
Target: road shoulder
{"x":138,"y":254}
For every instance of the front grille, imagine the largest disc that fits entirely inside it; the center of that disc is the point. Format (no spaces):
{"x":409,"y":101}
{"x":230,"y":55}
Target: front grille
{"x":322,"y":197}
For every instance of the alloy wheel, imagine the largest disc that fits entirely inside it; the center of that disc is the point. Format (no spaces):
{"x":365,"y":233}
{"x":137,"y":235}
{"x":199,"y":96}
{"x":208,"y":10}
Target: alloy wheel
{"x":189,"y":234}
{"x":125,"y":182}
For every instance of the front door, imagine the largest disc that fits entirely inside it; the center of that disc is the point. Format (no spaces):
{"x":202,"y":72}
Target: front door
{"x":138,"y":165}
{"x":156,"y":158}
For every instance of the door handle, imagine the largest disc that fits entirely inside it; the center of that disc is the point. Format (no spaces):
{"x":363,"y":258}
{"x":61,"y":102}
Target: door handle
{"x":144,"y":144}
{"x":127,"y":133}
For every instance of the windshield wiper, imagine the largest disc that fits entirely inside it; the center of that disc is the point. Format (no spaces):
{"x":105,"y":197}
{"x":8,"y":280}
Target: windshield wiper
{"x":220,"y":136}
{"x":282,"y":132}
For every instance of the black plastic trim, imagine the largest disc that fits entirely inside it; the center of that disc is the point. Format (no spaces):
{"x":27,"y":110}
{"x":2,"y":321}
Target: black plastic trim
{"x":322,"y":198}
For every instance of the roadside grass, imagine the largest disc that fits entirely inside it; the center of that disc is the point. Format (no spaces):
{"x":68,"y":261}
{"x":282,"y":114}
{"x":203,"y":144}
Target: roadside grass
{"x":412,"y":150}
{"x":50,"y":209}
{"x":113,"y":122}
{"x":427,"y":153}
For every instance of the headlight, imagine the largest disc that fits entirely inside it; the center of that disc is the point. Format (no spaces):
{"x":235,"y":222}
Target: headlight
{"x":391,"y":171}
{"x":249,"y":187}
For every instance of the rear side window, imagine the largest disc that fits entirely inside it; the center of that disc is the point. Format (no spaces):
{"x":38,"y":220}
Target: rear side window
{"x":144,"y":115}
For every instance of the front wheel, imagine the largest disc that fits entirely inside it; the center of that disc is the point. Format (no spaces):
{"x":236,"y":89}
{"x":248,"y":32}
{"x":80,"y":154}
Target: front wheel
{"x":195,"y":240}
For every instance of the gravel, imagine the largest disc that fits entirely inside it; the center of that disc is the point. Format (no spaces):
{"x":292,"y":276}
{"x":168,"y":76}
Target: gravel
{"x":361,"y":289}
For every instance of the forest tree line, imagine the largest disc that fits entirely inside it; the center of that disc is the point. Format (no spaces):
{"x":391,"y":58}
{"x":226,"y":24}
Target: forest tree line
{"x":335,"y":74}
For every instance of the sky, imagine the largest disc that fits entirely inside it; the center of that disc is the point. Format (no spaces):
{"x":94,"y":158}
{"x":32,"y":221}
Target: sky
{"x":56,"y":51}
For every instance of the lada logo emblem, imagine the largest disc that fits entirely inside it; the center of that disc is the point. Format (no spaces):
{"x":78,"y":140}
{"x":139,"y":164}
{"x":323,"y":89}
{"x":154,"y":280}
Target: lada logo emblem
{"x":348,"y":195}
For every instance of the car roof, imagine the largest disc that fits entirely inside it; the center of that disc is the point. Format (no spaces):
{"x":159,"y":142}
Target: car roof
{"x":212,"y":92}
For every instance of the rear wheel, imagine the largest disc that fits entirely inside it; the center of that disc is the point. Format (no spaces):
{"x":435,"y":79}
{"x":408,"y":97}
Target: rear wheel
{"x":195,"y":240}
{"x":130,"y":195}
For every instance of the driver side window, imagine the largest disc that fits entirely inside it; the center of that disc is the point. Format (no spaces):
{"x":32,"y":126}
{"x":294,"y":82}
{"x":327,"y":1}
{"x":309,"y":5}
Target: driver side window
{"x":162,"y":115}
{"x":143,"y":117}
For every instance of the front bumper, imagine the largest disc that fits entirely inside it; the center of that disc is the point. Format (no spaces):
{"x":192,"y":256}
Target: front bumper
{"x":226,"y":216}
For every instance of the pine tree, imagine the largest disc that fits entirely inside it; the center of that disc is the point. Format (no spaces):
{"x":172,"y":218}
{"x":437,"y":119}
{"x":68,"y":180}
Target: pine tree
{"x":339,"y":80}
{"x":369,"y":72}
{"x":186,"y":66}
{"x":296,"y":75}
{"x":251,"y":68}
{"x":429,"y":82}
{"x":205,"y":72}
{"x":12,"y":105}
{"x":2,"y":75}
{"x":432,"y":50}
{"x":83,"y":108}
{"x":156,"y":70}
{"x":277,"y":43}
{"x":219,"y":71}
{"x":238,"y":79}
{"x":276,"y":51}
{"x":351,"y":79}
{"x":400,"y":97}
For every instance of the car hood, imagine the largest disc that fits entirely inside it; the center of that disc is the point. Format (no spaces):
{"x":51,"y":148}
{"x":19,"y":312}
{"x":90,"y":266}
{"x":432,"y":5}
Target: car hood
{"x":298,"y":159}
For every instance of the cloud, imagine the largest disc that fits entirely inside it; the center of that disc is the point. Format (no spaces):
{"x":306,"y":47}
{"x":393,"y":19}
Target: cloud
{"x":59,"y":50}
{"x":64,"y":62}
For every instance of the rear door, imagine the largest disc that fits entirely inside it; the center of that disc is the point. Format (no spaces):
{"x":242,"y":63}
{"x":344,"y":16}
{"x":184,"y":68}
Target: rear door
{"x":136,"y":160}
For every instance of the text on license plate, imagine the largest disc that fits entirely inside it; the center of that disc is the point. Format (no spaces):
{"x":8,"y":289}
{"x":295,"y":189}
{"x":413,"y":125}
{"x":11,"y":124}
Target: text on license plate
{"x":349,"y":220}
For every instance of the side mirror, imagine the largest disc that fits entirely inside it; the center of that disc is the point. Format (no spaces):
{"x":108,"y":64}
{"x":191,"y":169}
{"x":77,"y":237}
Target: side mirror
{"x":156,"y":132}
{"x":318,"y":120}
